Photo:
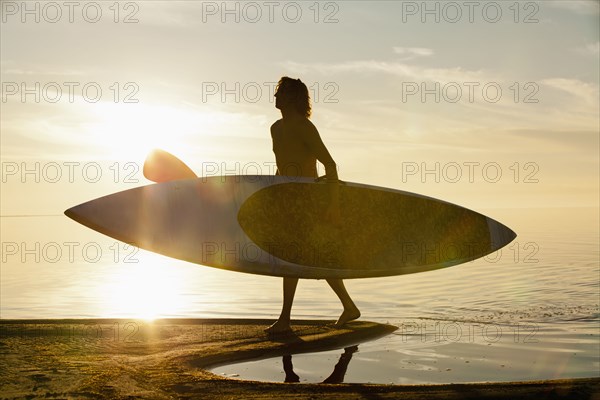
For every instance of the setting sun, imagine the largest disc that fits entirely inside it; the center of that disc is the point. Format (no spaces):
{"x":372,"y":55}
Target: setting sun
{"x":132,"y":130}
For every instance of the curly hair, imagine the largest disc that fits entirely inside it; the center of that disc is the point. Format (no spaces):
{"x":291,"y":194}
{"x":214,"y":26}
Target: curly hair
{"x":298,"y":91}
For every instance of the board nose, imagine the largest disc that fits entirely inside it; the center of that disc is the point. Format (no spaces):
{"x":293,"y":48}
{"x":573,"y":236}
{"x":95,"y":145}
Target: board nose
{"x":69,"y":213}
{"x":73,"y":214}
{"x":500,"y":234}
{"x":83,"y":214}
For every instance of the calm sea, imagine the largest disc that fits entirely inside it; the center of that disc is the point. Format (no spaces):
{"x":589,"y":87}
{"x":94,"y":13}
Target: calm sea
{"x":530,"y":311}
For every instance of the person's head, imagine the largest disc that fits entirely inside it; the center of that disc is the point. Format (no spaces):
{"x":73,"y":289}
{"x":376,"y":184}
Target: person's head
{"x":293,"y":93}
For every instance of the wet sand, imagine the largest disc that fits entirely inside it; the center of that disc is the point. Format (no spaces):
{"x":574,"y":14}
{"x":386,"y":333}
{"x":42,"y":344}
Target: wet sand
{"x":119,"y":358}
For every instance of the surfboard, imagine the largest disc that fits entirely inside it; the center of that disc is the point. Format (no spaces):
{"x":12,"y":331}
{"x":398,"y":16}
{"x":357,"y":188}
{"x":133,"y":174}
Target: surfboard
{"x":162,"y":166}
{"x":274,"y":225}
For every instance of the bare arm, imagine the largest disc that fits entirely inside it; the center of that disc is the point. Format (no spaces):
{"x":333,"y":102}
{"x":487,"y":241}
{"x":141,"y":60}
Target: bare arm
{"x":316,"y":145}
{"x":314,"y":142}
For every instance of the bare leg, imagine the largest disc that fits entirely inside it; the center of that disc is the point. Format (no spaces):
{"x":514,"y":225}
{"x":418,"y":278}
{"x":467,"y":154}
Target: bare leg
{"x":283,"y":323}
{"x":351,"y":312}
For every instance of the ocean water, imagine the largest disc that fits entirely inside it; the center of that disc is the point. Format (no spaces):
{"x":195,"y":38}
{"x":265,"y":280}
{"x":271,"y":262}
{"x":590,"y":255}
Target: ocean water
{"x":529,"y":311}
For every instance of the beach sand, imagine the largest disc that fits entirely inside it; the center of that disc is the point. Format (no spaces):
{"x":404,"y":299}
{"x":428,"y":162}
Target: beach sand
{"x":118,"y":358}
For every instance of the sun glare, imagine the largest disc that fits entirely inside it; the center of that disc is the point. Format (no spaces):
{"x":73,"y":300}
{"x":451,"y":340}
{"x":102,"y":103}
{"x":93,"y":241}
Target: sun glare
{"x":148,"y":289}
{"x":132,"y":130}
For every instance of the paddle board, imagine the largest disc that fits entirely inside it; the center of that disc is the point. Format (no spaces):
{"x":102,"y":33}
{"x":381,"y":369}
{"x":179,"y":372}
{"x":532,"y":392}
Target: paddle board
{"x":275,"y":225}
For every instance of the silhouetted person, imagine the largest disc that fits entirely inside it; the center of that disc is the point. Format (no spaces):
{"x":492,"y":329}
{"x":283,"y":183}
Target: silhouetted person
{"x":297,"y":147}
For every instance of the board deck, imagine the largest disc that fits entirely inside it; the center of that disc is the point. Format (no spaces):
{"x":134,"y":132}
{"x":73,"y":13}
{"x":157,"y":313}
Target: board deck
{"x":274,"y":225}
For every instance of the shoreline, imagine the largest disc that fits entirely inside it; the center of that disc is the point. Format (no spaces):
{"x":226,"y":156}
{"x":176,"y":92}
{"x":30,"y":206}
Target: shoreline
{"x":166,"y":358}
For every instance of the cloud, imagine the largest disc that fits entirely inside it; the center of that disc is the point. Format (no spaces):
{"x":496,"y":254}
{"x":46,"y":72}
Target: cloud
{"x":42,"y":72}
{"x":562,"y":102}
{"x":394,"y":68}
{"x":442,"y":75}
{"x":590,"y":49}
{"x":588,"y":7}
{"x":14,"y":67}
{"x":587,"y":92}
{"x":413,"y":52}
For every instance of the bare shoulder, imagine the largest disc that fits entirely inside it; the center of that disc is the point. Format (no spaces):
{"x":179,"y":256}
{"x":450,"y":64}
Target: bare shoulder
{"x":276,"y":125}
{"x":308,"y":129}
{"x":307,"y":123}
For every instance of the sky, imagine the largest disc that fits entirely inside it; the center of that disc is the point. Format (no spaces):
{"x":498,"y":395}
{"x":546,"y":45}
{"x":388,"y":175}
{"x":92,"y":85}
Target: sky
{"x":484,"y":104}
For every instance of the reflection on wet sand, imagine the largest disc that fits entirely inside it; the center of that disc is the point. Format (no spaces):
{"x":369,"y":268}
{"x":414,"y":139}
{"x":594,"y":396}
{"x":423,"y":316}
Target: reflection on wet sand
{"x":338,"y":374}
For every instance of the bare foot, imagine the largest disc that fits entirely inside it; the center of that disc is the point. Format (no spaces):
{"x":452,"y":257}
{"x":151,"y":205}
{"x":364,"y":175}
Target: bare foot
{"x":279,"y":327}
{"x":347,"y":316}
